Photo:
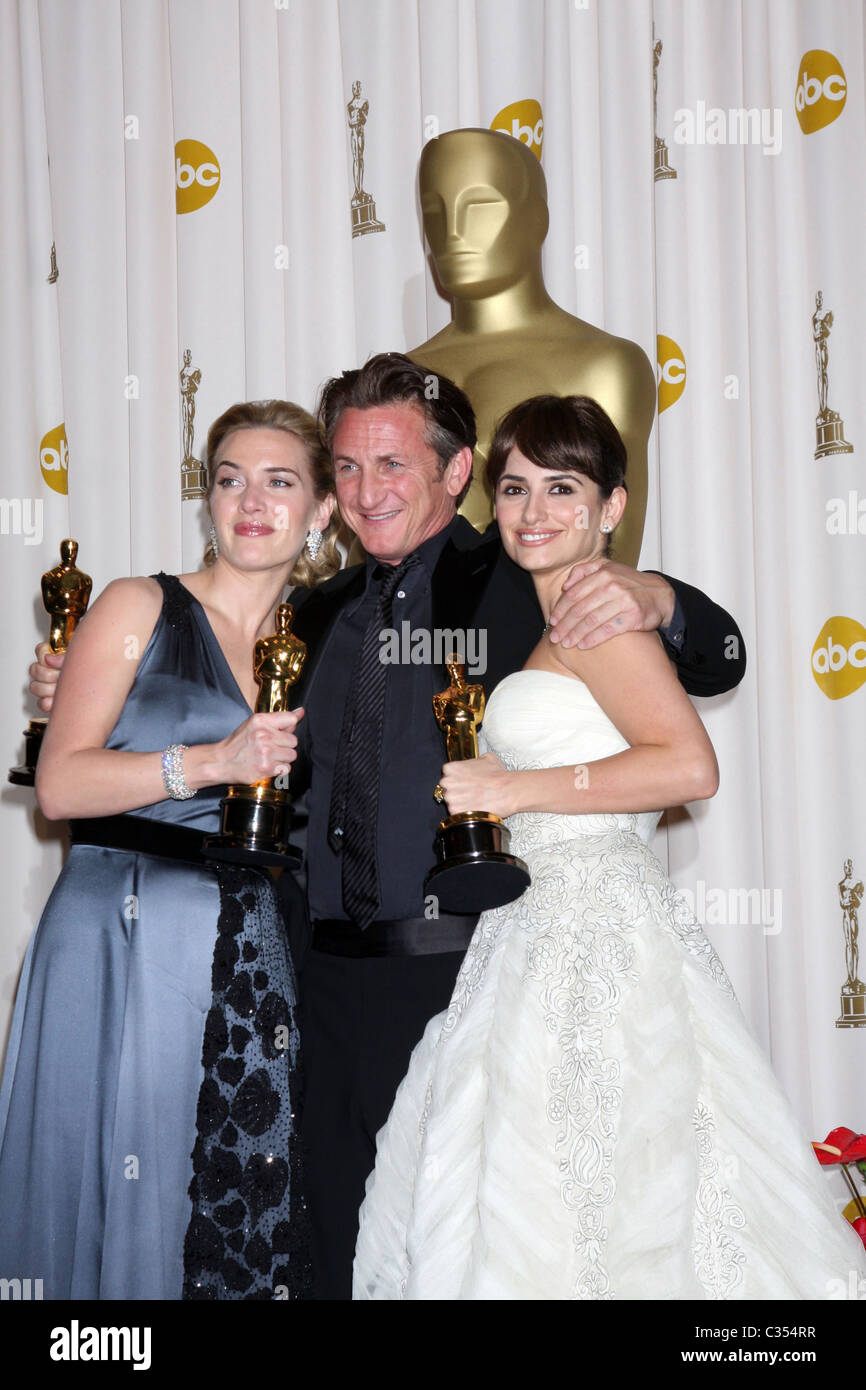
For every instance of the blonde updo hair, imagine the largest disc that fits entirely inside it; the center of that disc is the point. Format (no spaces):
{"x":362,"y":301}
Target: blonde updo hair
{"x":284,"y":415}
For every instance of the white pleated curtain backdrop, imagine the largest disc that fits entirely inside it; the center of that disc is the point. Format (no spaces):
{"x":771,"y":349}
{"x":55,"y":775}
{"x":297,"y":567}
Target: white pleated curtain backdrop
{"x":265,"y":286}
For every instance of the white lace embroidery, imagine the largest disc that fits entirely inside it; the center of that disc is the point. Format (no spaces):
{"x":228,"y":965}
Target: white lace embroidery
{"x":678,"y":920}
{"x":718,"y":1256}
{"x":475,"y":963}
{"x":425,"y":1113}
{"x":583,"y":962}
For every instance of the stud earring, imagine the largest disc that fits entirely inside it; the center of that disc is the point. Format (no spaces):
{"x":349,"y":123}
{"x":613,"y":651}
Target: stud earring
{"x":606,"y":526}
{"x":314,"y":541}
{"x":214,"y":543}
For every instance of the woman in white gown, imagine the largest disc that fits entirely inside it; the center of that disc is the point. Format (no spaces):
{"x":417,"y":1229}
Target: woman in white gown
{"x":589,"y":1118}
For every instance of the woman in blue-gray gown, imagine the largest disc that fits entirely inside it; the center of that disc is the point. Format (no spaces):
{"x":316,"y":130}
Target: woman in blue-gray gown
{"x":147,"y":1135}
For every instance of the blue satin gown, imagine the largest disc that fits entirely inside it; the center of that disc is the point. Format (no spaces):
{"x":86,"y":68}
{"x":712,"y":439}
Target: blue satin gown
{"x":147,"y":1132}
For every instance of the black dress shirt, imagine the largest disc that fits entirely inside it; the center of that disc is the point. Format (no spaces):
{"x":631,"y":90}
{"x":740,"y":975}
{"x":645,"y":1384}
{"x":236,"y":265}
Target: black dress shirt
{"x":413,"y":749}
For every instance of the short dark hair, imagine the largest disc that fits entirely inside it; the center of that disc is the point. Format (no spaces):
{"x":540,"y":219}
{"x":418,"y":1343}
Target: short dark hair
{"x":389,"y":378}
{"x":565,"y":434}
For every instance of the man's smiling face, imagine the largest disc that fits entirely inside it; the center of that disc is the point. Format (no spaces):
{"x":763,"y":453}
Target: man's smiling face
{"x":389,"y":486}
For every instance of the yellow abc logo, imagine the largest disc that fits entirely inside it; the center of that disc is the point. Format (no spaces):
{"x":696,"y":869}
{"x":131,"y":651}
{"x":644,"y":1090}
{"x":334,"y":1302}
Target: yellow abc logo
{"x":54,"y":459}
{"x":839,"y":657}
{"x":821,"y":90}
{"x":196,"y":175}
{"x":523,"y":120}
{"x":671,"y":371}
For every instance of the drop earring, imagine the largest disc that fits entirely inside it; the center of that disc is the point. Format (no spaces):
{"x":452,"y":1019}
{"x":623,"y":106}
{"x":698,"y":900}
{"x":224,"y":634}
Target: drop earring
{"x":214,"y":543}
{"x":314,"y":541}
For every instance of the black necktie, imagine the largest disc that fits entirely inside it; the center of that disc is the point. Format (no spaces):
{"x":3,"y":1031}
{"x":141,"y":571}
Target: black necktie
{"x":354,"y":811}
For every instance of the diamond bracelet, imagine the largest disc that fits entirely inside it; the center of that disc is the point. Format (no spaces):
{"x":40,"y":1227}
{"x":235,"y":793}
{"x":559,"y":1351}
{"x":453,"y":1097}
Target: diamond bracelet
{"x":172,"y":773}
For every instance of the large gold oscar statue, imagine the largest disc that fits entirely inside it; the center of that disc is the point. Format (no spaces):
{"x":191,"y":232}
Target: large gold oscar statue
{"x":484,"y":204}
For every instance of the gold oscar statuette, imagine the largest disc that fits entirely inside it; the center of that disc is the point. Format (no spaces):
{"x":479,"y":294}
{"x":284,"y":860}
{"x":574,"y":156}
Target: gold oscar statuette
{"x":255,"y":818}
{"x":65,"y":594}
{"x":474,"y":870}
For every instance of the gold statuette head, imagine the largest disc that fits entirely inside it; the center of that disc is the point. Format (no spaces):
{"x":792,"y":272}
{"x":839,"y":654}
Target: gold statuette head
{"x":484,"y":205}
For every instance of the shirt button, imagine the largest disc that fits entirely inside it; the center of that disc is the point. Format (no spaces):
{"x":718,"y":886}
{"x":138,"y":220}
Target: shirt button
{"x":401,"y":593}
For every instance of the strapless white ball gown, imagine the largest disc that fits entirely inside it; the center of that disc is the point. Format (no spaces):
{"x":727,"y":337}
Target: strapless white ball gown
{"x":591,"y":1118}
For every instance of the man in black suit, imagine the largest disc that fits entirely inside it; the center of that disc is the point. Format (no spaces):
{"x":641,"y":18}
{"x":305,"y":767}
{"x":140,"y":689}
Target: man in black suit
{"x":379,"y":961}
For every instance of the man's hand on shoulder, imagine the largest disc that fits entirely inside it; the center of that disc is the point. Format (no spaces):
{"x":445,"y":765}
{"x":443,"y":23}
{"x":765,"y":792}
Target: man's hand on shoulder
{"x":602,"y":599}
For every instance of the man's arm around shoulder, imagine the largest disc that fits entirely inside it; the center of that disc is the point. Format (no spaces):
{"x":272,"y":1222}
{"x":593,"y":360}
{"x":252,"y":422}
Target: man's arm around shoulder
{"x":602,"y":599}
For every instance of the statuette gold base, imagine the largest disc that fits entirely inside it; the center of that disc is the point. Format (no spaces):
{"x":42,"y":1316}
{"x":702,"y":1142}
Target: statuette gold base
{"x":830,"y":436}
{"x":364,"y":216}
{"x":475,"y":869}
{"x":661,"y":167}
{"x":254,"y":828}
{"x":853,"y":1005}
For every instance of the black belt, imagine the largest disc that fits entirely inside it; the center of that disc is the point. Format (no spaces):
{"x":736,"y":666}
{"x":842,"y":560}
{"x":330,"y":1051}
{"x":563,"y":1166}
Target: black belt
{"x":141,"y":836}
{"x":407,"y":936}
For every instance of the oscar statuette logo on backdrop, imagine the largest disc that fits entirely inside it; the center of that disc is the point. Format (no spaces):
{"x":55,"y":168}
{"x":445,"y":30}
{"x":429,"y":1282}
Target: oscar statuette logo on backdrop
{"x":839,"y":657}
{"x":525,"y":121}
{"x":661,"y":164}
{"x":196,"y":175}
{"x":829,"y":425}
{"x":671,"y":371}
{"x":54,"y":459}
{"x":193,"y":474}
{"x":363,"y":207}
{"x":853,"y":994}
{"x":821,"y":90}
